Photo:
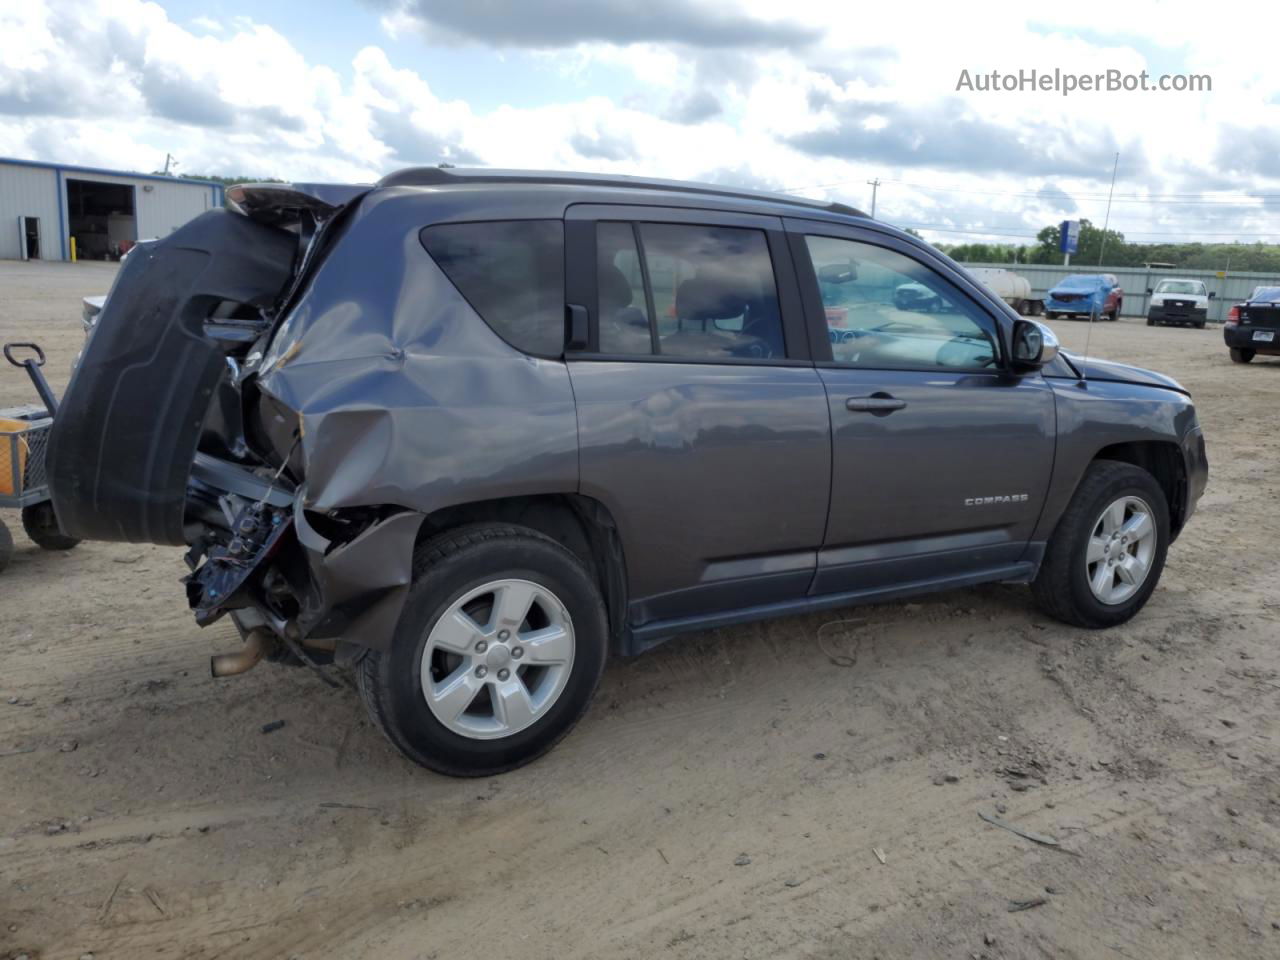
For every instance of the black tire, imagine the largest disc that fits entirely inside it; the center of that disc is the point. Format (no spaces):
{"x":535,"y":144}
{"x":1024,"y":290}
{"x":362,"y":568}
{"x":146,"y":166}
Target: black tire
{"x":1241,"y":354}
{"x":1199,"y":324}
{"x":6,"y":546}
{"x":1150,"y":322}
{"x":42,"y":527}
{"x":1061,"y":589}
{"x":1050,"y":315}
{"x":1022,"y":308}
{"x":444,"y":568}
{"x":1114,"y":315}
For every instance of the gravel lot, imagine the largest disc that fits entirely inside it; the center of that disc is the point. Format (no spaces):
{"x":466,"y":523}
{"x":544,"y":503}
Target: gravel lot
{"x":725,"y":797}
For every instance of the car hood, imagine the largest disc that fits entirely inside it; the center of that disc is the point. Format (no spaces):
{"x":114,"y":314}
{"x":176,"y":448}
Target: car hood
{"x":1094,"y":369}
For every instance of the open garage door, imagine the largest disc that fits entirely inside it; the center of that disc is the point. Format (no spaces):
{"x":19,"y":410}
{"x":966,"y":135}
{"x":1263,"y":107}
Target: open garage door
{"x":103,"y":218}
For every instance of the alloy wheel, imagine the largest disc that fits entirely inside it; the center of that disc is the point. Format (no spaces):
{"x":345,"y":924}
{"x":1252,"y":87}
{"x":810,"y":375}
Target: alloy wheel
{"x":1121,"y":549}
{"x":497,"y":659}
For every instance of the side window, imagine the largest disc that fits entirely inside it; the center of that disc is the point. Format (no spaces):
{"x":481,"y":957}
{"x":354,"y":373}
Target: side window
{"x":710,"y":292}
{"x":713,"y":291}
{"x":621,"y":307}
{"x":512,"y":273}
{"x":885,"y":310}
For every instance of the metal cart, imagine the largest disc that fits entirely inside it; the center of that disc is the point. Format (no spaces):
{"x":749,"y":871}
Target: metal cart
{"x":24,"y":435}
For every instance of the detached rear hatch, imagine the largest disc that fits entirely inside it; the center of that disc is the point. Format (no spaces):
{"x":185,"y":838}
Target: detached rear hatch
{"x":157,"y":388}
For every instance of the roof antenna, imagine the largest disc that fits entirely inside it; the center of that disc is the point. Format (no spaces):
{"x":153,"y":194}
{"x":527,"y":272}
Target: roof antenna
{"x":1102,"y":246}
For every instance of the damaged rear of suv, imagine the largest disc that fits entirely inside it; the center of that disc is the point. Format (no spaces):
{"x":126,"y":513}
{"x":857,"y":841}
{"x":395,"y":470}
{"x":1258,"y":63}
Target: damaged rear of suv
{"x":471,"y":432}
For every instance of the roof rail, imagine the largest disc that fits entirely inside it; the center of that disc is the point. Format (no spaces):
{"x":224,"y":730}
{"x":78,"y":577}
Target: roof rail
{"x":444,"y":176}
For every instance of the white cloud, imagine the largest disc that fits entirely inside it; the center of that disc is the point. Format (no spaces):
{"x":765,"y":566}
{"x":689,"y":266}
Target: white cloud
{"x":841,"y":96}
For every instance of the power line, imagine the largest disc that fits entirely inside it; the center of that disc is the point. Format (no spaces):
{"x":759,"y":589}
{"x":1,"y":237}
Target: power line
{"x":1035,"y":234}
{"x":1163,"y":199}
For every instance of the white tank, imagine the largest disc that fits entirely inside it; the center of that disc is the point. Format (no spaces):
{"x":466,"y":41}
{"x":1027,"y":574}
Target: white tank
{"x":1007,"y":285}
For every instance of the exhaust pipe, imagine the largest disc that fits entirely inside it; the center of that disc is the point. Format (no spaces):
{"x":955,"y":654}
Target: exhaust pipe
{"x":256,"y":646}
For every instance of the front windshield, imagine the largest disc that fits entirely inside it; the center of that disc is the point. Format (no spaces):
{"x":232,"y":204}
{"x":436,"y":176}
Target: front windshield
{"x":1193,"y":287}
{"x":1081,"y":281}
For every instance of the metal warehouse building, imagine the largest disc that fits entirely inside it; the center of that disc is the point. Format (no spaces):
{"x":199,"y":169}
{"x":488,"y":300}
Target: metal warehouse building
{"x":43,"y":206}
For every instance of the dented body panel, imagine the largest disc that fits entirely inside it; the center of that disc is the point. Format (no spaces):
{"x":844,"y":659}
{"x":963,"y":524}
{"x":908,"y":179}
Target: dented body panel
{"x":299,"y":393}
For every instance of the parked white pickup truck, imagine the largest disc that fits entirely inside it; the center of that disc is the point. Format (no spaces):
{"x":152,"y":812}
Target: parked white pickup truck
{"x":1179,"y":301}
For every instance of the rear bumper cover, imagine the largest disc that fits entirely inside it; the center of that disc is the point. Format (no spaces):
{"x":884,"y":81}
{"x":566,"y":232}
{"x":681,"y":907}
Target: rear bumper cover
{"x":1240,"y":337}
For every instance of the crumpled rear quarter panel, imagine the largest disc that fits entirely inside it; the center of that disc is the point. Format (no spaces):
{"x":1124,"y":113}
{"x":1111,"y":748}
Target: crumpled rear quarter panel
{"x":407,"y":397}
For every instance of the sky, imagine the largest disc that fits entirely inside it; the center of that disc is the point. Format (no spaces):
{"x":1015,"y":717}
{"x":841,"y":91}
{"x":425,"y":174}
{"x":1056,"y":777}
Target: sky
{"x":814,"y":98}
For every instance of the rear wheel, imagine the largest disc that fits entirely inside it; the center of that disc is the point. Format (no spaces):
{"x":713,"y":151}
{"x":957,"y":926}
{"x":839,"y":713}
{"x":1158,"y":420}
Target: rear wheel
{"x":1107,"y":553}
{"x":1199,"y":324}
{"x":1050,"y":315}
{"x":497,"y":653}
{"x":1241,"y":355}
{"x":41,"y":525}
{"x":1114,"y":315}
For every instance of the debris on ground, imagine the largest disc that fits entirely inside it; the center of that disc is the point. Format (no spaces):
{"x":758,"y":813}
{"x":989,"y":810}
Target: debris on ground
{"x":273,"y":726}
{"x":879,"y":854}
{"x":1025,"y":834}
{"x":1016,"y":906}
{"x":742,"y":860}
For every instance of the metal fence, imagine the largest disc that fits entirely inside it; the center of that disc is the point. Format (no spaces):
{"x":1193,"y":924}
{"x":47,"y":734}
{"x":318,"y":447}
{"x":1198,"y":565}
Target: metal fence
{"x":1229,"y":288}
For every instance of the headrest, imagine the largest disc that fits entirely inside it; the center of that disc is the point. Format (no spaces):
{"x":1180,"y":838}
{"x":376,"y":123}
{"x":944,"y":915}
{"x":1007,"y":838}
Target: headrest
{"x":614,"y":289}
{"x":707,"y":298}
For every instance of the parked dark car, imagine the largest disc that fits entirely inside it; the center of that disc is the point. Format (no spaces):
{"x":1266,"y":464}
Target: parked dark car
{"x":1253,"y":327}
{"x":1085,"y":295}
{"x":470,"y":432}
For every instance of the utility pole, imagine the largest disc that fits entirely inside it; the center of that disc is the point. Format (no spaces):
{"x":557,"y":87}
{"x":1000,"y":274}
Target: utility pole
{"x":874,"y":185}
{"x":1107,"y":220}
{"x":168,"y":159}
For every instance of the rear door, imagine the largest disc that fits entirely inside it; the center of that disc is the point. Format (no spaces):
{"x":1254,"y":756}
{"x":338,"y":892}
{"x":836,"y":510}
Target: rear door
{"x":941,"y":458}
{"x":703,"y":424}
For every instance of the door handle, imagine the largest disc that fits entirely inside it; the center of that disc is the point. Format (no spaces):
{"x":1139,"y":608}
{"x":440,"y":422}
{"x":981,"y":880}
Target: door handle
{"x":877,"y":403}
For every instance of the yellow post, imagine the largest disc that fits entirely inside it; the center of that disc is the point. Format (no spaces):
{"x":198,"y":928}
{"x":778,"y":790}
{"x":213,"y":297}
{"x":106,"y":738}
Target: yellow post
{"x":73,"y":249}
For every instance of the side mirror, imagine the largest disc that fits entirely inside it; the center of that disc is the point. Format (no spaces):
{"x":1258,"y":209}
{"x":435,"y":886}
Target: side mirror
{"x":1034,"y":345}
{"x":1149,"y":290}
{"x":838,"y":272}
{"x":1213,"y":295}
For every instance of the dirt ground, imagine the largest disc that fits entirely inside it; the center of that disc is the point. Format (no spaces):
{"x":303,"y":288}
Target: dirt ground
{"x":725,"y":797}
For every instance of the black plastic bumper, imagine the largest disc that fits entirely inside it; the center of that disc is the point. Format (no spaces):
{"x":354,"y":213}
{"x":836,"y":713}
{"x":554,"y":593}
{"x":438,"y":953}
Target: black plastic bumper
{"x":1242,"y":337}
{"x":1163,"y":314}
{"x":122,"y":446}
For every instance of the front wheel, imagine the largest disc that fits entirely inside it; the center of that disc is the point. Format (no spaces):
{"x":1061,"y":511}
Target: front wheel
{"x":1241,"y":354}
{"x":1050,"y":315}
{"x":497,"y":653}
{"x":1107,"y":553}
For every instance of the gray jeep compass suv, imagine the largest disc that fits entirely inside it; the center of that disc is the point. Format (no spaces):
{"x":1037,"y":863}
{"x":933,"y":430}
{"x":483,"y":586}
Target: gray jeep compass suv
{"x":470,"y":432}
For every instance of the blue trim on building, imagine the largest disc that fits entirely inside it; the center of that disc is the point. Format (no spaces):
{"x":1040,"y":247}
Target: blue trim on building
{"x":62,"y":222}
{"x":99,"y":170}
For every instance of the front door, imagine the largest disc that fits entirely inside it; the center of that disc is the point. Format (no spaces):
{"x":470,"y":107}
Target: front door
{"x":940,"y":457}
{"x":702,"y":423}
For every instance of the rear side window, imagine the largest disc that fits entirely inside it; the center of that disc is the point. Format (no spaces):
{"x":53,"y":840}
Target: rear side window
{"x":512,"y":273}
{"x":688,"y":291}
